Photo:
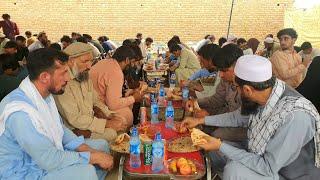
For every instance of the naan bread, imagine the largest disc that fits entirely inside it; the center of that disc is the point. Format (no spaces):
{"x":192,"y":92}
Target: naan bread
{"x":123,"y":147}
{"x":122,"y":144}
{"x":143,"y":88}
{"x":121,"y":138}
{"x":198,"y":137}
{"x":196,"y":105}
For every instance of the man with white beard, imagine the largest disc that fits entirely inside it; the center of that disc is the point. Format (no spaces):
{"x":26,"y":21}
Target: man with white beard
{"x":80,"y":106}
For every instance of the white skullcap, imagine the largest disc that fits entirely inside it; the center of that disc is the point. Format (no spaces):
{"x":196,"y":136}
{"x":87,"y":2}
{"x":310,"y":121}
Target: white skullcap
{"x":224,"y":44}
{"x":268,"y":40}
{"x":231,"y":37}
{"x":227,"y":43}
{"x":253,"y":68}
{"x":2,"y":35}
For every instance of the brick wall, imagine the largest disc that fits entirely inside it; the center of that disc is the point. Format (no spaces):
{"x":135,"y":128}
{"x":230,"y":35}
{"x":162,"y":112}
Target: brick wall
{"x":119,"y":19}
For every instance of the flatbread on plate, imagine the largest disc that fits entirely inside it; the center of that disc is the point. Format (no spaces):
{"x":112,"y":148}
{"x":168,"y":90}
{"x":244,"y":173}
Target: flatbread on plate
{"x":182,"y":145}
{"x":122,"y":143}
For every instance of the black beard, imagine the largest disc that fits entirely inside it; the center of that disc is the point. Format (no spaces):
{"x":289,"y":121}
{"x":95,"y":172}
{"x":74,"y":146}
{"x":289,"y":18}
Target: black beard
{"x":128,"y":69}
{"x":211,"y":70}
{"x":248,"y":107}
{"x":284,"y":48}
{"x":54,"y":92}
{"x":44,"y":43}
{"x":83,"y":76}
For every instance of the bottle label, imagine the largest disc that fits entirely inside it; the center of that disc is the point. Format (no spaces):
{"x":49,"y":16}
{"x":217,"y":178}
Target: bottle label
{"x":161,"y":93}
{"x":154,"y":109}
{"x":135,"y":149}
{"x":147,"y":148}
{"x":157,"y":152}
{"x":169,"y":114}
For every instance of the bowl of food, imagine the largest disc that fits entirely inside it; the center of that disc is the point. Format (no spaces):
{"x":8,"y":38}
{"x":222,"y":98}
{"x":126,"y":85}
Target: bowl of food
{"x":149,"y":67}
{"x":148,"y":129}
{"x":174,"y":94}
{"x":182,"y":144}
{"x":179,"y":129}
{"x":163,"y":66}
{"x":181,"y":168}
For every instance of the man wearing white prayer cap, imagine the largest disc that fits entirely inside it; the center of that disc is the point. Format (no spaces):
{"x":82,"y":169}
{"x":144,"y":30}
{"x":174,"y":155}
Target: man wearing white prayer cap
{"x":226,"y":98}
{"x":283,"y":135}
{"x":232,"y":38}
{"x":270,"y":46}
{"x":208,"y":39}
{"x":269,"y":40}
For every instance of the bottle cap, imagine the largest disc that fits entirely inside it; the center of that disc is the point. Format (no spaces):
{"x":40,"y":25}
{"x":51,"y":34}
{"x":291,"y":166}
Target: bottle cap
{"x":158,"y":137}
{"x":134,"y":131}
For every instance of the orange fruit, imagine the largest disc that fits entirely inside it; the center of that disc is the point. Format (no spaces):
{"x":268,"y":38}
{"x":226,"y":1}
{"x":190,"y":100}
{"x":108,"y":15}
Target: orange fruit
{"x":185,"y":169}
{"x":173,"y":166}
{"x":181,"y":161}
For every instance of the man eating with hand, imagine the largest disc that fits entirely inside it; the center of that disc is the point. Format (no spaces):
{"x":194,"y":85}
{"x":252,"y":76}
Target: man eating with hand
{"x":283,"y":135}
